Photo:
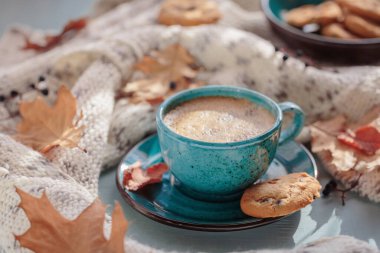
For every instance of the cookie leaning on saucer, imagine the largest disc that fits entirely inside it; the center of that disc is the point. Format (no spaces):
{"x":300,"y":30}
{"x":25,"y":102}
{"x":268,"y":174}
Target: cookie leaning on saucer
{"x":188,"y":12}
{"x":279,"y":197}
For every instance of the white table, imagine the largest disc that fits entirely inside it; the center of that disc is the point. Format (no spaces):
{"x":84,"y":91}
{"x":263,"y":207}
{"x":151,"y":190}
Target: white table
{"x":325,"y":217}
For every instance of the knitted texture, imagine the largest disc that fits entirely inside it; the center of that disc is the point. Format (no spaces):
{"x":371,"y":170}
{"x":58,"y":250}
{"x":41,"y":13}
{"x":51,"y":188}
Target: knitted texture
{"x":368,"y":181}
{"x":97,"y":61}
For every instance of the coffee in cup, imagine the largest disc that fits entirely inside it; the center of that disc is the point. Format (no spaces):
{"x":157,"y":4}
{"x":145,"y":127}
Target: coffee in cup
{"x":219,"y":119}
{"x":218,"y":140}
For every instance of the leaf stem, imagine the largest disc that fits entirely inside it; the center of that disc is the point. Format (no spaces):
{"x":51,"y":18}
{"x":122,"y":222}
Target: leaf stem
{"x":344,"y":191}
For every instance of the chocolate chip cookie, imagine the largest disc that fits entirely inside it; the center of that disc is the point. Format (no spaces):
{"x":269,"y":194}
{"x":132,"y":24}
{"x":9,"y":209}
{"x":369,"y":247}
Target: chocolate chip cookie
{"x":279,"y":197}
{"x":188,"y":12}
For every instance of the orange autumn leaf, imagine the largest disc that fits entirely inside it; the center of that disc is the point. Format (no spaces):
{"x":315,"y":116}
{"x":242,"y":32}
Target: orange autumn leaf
{"x":52,"y":40}
{"x":43,"y":127}
{"x":365,"y":139}
{"x":349,"y":145}
{"x":166,"y":72}
{"x":153,"y":90}
{"x":51,"y":232}
{"x":174,"y":62}
{"x":136,"y":178}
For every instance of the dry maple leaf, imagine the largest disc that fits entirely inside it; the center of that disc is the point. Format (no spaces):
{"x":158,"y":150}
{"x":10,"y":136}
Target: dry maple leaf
{"x":43,"y":127}
{"x":166,"y":72}
{"x":136,"y":178}
{"x":52,"y":40}
{"x":51,"y":232}
{"x":345,"y":143}
{"x":365,"y":139}
{"x":172,"y":64}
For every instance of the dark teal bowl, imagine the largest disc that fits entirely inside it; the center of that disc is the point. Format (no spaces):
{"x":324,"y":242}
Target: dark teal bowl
{"x":363,"y":51}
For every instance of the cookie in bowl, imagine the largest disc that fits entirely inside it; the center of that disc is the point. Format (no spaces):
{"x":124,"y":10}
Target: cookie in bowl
{"x":366,"y":8}
{"x":325,"y":13}
{"x":322,"y":30}
{"x":337,"y":31}
{"x":343,"y":19}
{"x":362,"y":27}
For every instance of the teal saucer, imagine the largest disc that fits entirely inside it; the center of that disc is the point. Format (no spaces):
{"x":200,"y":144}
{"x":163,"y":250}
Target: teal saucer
{"x":166,"y":204}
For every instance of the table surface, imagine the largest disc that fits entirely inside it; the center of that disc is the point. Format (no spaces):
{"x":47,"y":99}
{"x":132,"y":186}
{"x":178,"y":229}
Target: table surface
{"x":325,"y":217}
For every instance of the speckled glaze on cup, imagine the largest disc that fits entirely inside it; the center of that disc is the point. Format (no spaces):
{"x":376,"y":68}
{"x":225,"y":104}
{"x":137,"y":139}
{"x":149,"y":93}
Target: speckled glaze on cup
{"x":221,"y":171}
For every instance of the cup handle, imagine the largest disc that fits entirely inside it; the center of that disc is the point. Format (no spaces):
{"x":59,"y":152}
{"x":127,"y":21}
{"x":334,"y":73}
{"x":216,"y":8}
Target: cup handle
{"x":296,"y":126}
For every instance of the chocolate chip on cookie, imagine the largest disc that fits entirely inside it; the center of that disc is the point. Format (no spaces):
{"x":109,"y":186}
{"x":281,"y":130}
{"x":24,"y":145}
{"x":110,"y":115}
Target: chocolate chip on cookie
{"x":279,"y":197}
{"x":188,"y":12}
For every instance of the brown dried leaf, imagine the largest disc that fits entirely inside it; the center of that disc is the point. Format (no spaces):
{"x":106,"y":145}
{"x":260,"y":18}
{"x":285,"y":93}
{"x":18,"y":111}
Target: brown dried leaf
{"x":172,"y":63}
{"x":43,"y":127}
{"x":166,"y":72}
{"x":51,"y":232}
{"x":345,"y":157}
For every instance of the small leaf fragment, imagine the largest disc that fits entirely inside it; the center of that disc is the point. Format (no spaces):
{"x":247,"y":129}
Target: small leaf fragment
{"x":136,"y":178}
{"x":365,"y":139}
{"x":53,"y":40}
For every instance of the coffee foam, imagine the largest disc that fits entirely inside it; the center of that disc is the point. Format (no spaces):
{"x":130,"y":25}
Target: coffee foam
{"x":219,"y":119}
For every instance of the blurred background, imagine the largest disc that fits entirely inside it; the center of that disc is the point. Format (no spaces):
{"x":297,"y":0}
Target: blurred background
{"x":44,"y":14}
{"x":54,"y":14}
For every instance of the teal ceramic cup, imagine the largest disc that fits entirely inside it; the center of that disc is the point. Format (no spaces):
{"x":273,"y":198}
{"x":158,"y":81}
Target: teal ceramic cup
{"x":221,"y":171}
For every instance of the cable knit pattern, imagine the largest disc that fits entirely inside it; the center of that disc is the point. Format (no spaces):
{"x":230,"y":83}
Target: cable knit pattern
{"x":99,"y":59}
{"x":95,"y":101}
{"x":30,"y":171}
